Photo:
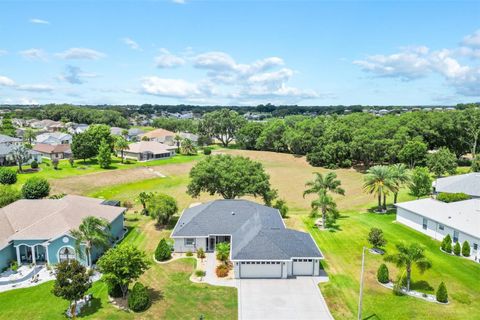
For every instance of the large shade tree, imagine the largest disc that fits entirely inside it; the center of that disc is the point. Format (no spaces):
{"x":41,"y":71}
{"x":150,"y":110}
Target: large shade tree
{"x":410,"y":255}
{"x":221,"y":124}
{"x":231,"y":177}
{"x":322,"y":186}
{"x":92,"y":232}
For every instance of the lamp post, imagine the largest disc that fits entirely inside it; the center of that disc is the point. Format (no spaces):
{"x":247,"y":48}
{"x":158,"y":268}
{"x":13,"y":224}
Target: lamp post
{"x":360,"y":299}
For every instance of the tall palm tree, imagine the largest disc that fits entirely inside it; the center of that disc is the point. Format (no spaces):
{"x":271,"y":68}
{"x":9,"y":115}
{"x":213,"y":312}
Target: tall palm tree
{"x":188,"y":148}
{"x":401,"y":176}
{"x":322,"y":185}
{"x":178,"y":140}
{"x":29,"y":135}
{"x":121,"y":145}
{"x":92,"y":232}
{"x":378,"y":181}
{"x":409,"y":255}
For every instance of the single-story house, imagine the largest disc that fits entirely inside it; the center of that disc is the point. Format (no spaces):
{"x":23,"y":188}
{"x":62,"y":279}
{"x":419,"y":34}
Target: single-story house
{"x":75,"y":128}
{"x":261,"y":245}
{"x":134,"y":134}
{"x":59,"y":151}
{"x":160,"y":135}
{"x":54,"y":138}
{"x":7,"y":159}
{"x":47,"y":125}
{"x":465,"y":183}
{"x":38,"y":231}
{"x":461,"y":219}
{"x":148,"y":150}
{"x":4,"y":139}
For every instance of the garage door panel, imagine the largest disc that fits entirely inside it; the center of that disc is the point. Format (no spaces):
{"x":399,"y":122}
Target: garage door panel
{"x":302,"y":267}
{"x":260,"y":269}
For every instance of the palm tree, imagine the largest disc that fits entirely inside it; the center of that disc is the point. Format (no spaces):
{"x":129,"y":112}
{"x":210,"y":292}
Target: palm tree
{"x":188,"y":148}
{"x":223,"y":251}
{"x":178,"y":140}
{"x":121,"y":145}
{"x":409,"y":255}
{"x":29,"y":135}
{"x":321,"y":186}
{"x":401,"y":176}
{"x":378,"y":181}
{"x":92,"y":232}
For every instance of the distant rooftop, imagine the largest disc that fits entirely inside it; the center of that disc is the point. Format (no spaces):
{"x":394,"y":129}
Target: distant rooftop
{"x":466,"y":183}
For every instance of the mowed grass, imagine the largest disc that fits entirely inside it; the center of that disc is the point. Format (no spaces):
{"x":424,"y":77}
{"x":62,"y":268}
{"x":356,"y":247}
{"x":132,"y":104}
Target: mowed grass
{"x":174,"y":296}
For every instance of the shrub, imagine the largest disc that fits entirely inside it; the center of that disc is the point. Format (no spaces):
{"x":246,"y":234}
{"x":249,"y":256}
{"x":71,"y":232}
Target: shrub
{"x":447,"y":244}
{"x":382,"y":274}
{"x":442,"y":294}
{"x":200,"y":253}
{"x":456,"y":249}
{"x":223,"y":251}
{"x":466,"y":249}
{"x":200,"y":273}
{"x":375,"y":238}
{"x":8,"y":194}
{"x":138,"y":299}
{"x":189,"y":253}
{"x":34,"y":164}
{"x":14,"y":266}
{"x":7,"y":176}
{"x":71,"y":161}
{"x":452,"y":197}
{"x":36,"y":188}
{"x":207,"y":151}
{"x":222,"y":271}
{"x":163,"y":251}
{"x":55,"y":163}
{"x":114,"y":290}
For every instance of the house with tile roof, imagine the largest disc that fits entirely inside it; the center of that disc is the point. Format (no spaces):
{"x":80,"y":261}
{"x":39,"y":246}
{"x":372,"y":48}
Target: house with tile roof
{"x":148,"y":150}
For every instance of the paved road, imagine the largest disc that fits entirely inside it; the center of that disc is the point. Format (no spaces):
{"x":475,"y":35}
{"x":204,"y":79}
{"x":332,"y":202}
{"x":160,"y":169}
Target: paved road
{"x":281,"y":299}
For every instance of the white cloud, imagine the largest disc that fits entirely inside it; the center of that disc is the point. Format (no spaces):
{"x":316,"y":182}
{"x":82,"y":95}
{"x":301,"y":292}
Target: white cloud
{"x":215,"y":60}
{"x":472,"y":40}
{"x":75,"y":75}
{"x":131,"y":43}
{"x":39,"y":21}
{"x":81,"y":53}
{"x":168,"y":60}
{"x":177,"y":88}
{"x":6,"y":82}
{"x":179,"y":1}
{"x":21,"y":100}
{"x":34,"y":54}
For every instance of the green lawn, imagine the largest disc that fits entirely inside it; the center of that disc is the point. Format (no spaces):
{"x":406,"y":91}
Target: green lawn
{"x":343,"y":248}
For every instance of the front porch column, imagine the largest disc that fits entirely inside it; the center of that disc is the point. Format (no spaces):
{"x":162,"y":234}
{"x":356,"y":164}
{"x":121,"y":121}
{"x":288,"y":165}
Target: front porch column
{"x":46,"y":254}
{"x":34,"y":260}
{"x":19,"y":262}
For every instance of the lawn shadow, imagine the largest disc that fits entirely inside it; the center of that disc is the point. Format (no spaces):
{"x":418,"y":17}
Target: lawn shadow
{"x":422,"y":286}
{"x":374,"y":210}
{"x":372,"y":316}
{"x":155,"y":295}
{"x":88,"y":310}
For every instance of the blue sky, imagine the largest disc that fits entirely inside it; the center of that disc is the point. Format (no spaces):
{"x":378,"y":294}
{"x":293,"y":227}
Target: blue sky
{"x":240,"y":52}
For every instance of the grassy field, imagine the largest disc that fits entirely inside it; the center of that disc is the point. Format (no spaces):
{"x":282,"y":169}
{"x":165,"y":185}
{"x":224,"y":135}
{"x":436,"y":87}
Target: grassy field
{"x":174,"y":296}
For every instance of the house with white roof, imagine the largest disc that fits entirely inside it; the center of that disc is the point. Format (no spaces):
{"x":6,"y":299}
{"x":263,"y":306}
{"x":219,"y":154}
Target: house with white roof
{"x":54,"y":138}
{"x":463,"y":183}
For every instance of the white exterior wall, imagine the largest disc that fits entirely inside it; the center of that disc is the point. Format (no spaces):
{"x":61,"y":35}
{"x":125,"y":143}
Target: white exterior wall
{"x":179,"y":245}
{"x":415,"y":221}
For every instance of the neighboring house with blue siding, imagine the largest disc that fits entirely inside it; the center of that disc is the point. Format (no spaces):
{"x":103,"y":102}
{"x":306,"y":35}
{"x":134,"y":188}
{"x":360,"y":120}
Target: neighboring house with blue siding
{"x":38,"y":231}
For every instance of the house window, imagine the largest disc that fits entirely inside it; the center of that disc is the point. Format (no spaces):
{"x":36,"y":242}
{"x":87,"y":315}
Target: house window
{"x":475,"y":246}
{"x":424,"y":225}
{"x":455,"y":236}
{"x":189,"y":241}
{"x":441,"y":227}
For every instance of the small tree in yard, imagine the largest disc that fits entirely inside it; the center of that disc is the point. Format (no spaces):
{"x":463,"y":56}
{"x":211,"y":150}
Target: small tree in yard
{"x":442,"y":294}
{"x":7,"y":176}
{"x":71,"y":161}
{"x":457,"y":249}
{"x":200,"y":253}
{"x":447,"y":244}
{"x":223,"y":251}
{"x":162,"y":207}
{"x":138,"y":299}
{"x":382,"y":274}
{"x":20,"y":154}
{"x":143,"y":197}
{"x":376,"y":239}
{"x":104,"y":155}
{"x":163,"y":251}
{"x":55,"y":163}
{"x":71,"y":283}
{"x":122,"y":265}
{"x":35,"y":188}
{"x":466,"y":249}
{"x":420,"y":182}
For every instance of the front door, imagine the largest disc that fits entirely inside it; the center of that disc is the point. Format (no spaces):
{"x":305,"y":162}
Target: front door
{"x":211,"y":244}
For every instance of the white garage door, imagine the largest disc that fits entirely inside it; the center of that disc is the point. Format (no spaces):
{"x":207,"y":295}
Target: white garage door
{"x":260,"y":269}
{"x":302,"y":267}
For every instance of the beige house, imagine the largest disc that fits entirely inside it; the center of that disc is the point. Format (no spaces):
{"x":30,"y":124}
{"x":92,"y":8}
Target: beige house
{"x":148,"y":150}
{"x":160,"y":135}
{"x":59,"y":151}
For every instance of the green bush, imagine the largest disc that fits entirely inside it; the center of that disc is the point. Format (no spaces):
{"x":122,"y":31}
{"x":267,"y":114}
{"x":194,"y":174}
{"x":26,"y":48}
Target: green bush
{"x":466,"y":249}
{"x":34,"y":164}
{"x":114,"y":290}
{"x":456,"y":249}
{"x":207,"y":151}
{"x":382,"y":274}
{"x":447,"y":244}
{"x":8,"y":194}
{"x":452,"y":197}
{"x":442,"y":294}
{"x":199,"y":273}
{"x":163,"y":251}
{"x":138,"y":299}
{"x":36,"y":188}
{"x":200,"y":253}
{"x":7,"y":176}
{"x":189,"y":253}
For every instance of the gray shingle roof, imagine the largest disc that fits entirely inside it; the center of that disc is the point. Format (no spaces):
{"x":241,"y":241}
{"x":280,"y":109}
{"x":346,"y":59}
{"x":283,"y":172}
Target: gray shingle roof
{"x":8,"y":139}
{"x":258,"y":231}
{"x":466,"y":183}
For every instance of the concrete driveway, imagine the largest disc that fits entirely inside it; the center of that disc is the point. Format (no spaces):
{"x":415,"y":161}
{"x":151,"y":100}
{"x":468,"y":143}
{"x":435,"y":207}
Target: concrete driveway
{"x":298,"y":298}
